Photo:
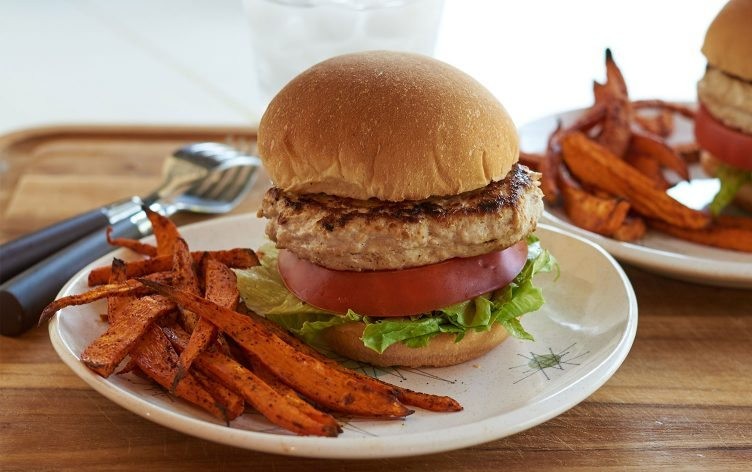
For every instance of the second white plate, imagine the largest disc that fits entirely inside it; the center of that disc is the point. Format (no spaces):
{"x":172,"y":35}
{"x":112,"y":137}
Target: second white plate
{"x":657,"y":252}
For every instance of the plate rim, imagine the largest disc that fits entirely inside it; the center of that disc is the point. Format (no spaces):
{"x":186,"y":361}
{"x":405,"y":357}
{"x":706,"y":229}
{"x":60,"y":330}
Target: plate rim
{"x":677,"y":265}
{"x":685,"y":265}
{"x":452,"y":438}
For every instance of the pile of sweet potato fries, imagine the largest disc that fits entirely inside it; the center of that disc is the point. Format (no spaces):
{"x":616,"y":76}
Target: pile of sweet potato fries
{"x":606,"y":171}
{"x":174,"y":318}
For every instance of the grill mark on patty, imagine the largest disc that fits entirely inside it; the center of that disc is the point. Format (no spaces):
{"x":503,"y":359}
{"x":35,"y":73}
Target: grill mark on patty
{"x":340,"y":211}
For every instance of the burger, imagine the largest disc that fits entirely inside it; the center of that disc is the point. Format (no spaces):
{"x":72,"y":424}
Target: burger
{"x":400,"y":219}
{"x":723,"y":125}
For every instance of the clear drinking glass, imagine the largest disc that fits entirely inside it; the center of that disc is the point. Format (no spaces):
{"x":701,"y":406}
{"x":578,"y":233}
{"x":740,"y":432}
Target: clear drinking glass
{"x":288,"y":36}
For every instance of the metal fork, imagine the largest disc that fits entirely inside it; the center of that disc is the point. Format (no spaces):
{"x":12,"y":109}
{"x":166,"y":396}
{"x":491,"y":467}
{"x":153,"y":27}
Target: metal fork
{"x":199,"y":164}
{"x":182,"y":169}
{"x":23,"y":297}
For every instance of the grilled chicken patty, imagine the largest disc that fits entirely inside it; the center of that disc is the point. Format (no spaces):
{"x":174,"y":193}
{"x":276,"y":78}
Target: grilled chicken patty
{"x":347,"y":234}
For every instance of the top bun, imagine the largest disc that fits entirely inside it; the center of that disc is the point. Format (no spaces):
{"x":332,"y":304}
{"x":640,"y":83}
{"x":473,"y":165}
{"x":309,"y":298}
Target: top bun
{"x":728,"y":42}
{"x":386,"y":125}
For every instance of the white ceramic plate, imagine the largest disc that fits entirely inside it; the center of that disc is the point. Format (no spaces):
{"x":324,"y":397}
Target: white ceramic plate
{"x":582,"y":336}
{"x":657,"y":252}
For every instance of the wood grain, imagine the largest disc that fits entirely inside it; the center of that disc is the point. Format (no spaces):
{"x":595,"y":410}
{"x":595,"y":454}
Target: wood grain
{"x":681,"y":401}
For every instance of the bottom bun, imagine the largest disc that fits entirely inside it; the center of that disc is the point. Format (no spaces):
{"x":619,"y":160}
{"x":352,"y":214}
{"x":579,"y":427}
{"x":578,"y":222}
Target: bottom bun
{"x":441,"y":350}
{"x":743,"y":198}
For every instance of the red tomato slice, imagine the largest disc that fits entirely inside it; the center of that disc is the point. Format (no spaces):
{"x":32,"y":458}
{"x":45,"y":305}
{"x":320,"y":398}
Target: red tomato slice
{"x":401,"y":292}
{"x":731,"y":146}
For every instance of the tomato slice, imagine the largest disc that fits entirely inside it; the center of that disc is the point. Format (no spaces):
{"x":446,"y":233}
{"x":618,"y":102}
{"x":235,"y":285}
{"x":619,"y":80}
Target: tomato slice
{"x":401,"y":292}
{"x":731,"y":146}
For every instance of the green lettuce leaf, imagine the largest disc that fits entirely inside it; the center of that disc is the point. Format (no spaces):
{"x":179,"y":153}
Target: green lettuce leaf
{"x":264,"y":292}
{"x":519,"y":299}
{"x":732,"y":179}
{"x":415,"y":333}
{"x":310,"y":326}
{"x":475,"y":313}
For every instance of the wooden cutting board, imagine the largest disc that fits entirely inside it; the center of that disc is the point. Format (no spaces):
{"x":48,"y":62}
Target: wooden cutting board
{"x":49,"y":174}
{"x":682,"y":400}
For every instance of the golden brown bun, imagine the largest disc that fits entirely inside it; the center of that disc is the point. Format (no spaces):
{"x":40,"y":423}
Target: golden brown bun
{"x":389,"y":125}
{"x":743,"y":198}
{"x":441,"y":351}
{"x":728,"y":42}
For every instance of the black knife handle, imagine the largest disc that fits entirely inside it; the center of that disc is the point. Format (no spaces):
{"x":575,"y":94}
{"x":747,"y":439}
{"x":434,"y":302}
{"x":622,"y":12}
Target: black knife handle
{"x":23,"y":297}
{"x":21,"y":253}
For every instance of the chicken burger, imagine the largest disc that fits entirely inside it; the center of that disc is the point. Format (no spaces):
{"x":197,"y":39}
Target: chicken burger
{"x":401,"y":220}
{"x":723,"y":125}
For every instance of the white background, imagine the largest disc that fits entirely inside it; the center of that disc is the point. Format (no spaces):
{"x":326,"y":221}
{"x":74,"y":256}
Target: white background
{"x":190,"y":62}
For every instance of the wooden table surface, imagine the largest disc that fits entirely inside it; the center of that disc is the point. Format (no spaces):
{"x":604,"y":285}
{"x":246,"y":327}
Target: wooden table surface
{"x":681,"y":400}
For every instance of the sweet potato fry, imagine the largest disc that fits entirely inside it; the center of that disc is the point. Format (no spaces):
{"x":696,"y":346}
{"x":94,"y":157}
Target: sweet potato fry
{"x":552,"y":167}
{"x":324,"y":385}
{"x":649,"y":167}
{"x":157,"y":359}
{"x":544,"y":164}
{"x":165,"y":232}
{"x":115,"y":305}
{"x":300,"y":346}
{"x":222,"y":289}
{"x":665,"y":124}
{"x":632,"y":229}
{"x":614,"y":79}
{"x":616,"y":128}
{"x":185,"y":278}
{"x":726,"y":237}
{"x":683,"y":110}
{"x":550,"y":171}
{"x":132,"y":244}
{"x":133,"y":269}
{"x":286,"y":391}
{"x":591,"y":212}
{"x":600,"y":92}
{"x":660,"y":124}
{"x":585,"y":122}
{"x":613,"y":95}
{"x":647,"y":145}
{"x":732,"y":221}
{"x":258,"y":368}
{"x":221,"y":284}
{"x":425,"y":401}
{"x":238,"y":258}
{"x":276,"y":407}
{"x":233,"y":403}
{"x":131,"y":287}
{"x":548,"y":164}
{"x":615,"y":85}
{"x":690,"y":152}
{"x":595,"y":165}
{"x":108,"y":350}
{"x":553,"y":154}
